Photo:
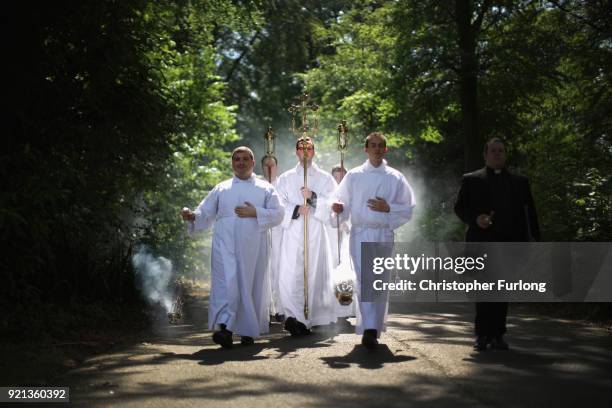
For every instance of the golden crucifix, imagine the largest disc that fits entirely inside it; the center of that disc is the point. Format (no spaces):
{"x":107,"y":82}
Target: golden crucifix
{"x":306,"y":130}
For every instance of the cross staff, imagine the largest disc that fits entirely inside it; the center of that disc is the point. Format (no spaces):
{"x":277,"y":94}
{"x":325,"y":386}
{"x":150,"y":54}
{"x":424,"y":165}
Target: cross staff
{"x":269,"y":138}
{"x":342,"y":147}
{"x":304,"y":131}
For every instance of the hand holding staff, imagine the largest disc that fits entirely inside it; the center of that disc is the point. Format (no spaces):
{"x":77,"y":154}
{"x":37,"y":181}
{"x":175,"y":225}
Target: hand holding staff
{"x":307,"y":129}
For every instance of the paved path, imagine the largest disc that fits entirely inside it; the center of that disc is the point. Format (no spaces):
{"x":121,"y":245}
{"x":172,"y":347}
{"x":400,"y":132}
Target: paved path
{"x":426,"y":359}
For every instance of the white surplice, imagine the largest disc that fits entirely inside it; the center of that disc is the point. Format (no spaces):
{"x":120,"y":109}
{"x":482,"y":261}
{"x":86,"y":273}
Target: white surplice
{"x":240,"y":286}
{"x":358,"y":186}
{"x":276,"y":236}
{"x":321,"y":300}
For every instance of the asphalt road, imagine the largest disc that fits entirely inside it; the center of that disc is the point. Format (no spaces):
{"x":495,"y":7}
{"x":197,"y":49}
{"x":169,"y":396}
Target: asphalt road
{"x":425,"y":359}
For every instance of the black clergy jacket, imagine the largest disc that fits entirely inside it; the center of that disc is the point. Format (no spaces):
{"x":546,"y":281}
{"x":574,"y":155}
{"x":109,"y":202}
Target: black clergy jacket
{"x":505,"y":195}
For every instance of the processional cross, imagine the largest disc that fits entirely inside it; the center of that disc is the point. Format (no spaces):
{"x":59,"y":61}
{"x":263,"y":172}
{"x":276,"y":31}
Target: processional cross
{"x":307,"y":129}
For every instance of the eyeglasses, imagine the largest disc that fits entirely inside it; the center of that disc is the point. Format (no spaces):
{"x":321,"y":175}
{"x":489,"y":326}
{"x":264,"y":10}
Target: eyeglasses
{"x":375,"y":145}
{"x":310,"y":149}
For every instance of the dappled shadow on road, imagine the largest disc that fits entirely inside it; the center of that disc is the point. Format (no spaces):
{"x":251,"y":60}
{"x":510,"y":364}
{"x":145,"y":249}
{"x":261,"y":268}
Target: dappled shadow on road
{"x":527,"y":377}
{"x":279,"y":345}
{"x":511,"y":358}
{"x":286,"y":346}
{"x":530,"y":337}
{"x":421,"y":390}
{"x":438,"y":323}
{"x":219,"y":356}
{"x":364,"y":358}
{"x":278,"y":342}
{"x":551,"y":361}
{"x":321,"y":337}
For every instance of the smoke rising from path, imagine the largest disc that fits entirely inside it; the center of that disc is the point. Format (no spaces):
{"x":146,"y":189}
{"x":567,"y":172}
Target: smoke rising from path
{"x":153,"y":276}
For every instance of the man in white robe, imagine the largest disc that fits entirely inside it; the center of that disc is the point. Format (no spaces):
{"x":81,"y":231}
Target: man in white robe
{"x":377,"y":199}
{"x":269,"y":166}
{"x":321,"y":301}
{"x":242,"y":209}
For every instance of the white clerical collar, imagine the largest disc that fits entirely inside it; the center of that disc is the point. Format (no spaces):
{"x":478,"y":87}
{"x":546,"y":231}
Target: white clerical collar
{"x":369,"y":167}
{"x":251,"y":179}
{"x":494,"y":171}
{"x":300,"y":167}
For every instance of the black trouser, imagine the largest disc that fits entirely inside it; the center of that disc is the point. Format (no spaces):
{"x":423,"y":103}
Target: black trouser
{"x":491,"y":318}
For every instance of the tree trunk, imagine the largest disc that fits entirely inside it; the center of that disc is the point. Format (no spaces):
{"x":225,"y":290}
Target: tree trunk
{"x":468,"y":84}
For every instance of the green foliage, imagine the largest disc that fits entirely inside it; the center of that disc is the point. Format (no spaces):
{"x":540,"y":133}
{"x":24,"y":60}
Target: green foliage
{"x":262,"y":62}
{"x":352,"y":83}
{"x":119,"y":123}
{"x":543,"y":86}
{"x":123,"y":112}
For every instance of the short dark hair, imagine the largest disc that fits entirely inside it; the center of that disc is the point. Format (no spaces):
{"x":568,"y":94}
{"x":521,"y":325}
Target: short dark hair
{"x":263,"y":159}
{"x":336,"y":168}
{"x":304,"y":139}
{"x":375,"y":134}
{"x":243,"y":149}
{"x":490,"y":142}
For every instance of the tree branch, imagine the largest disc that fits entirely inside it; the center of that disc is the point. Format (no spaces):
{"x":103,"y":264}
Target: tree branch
{"x":237,"y":61}
{"x":578,"y":17}
{"x":477,"y":25}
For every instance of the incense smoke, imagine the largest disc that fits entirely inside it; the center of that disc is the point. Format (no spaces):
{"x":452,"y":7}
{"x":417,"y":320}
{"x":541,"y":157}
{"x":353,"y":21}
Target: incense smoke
{"x":433,"y":218}
{"x":435,"y":192}
{"x":153,"y":277}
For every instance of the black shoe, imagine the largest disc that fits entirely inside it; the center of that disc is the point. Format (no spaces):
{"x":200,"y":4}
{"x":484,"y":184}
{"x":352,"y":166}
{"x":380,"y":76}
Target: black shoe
{"x":291,"y":325}
{"x":498,"y":343}
{"x":369,"y":339}
{"x":247,"y":341}
{"x":302,"y":328}
{"x":223,"y":337}
{"x":481,"y":343}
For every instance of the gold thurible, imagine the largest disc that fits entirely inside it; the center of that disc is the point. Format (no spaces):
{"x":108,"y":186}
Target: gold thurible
{"x":176,"y":313}
{"x":307,"y":129}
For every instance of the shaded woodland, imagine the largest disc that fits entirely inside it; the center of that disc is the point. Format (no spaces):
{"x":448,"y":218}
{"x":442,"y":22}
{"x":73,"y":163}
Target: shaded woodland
{"x":118,"y":113}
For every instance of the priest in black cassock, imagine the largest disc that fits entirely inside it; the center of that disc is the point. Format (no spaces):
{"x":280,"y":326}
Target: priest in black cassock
{"x":497,"y":206}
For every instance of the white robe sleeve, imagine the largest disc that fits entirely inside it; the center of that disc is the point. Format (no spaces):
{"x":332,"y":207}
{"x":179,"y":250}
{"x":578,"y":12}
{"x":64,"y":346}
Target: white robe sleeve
{"x":343,"y":195}
{"x":283,"y":195}
{"x":273,"y":211}
{"x":400,"y":209}
{"x":206,"y":212}
{"x":323,"y":211}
